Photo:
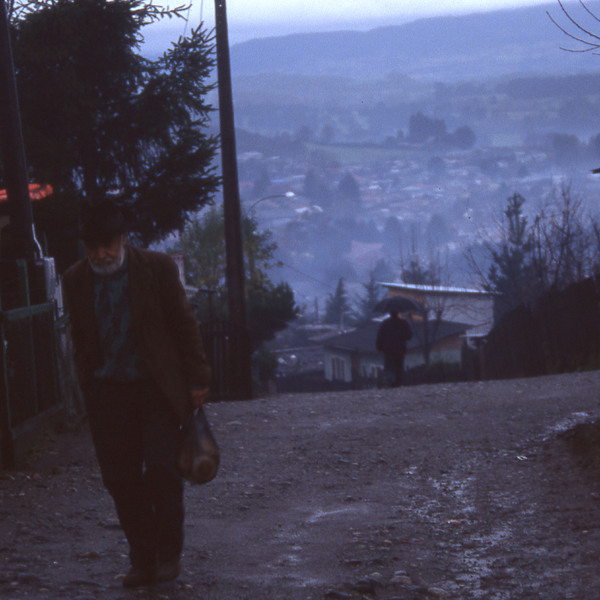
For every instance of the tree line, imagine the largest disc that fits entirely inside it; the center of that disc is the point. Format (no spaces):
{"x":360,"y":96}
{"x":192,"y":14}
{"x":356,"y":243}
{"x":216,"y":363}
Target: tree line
{"x":529,"y":253}
{"x":271,"y":306}
{"x":101,"y":119}
{"x":552,"y":247}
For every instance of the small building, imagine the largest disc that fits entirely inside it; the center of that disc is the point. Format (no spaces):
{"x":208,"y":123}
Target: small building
{"x":352,"y":358}
{"x":458,"y":305}
{"x":37,"y":192}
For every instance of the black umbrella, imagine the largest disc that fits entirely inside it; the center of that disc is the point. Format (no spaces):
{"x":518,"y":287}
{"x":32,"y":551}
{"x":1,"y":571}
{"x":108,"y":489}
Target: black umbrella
{"x":396,"y":304}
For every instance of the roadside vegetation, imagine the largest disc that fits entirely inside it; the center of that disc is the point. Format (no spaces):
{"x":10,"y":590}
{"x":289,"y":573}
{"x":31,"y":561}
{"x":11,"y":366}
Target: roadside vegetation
{"x":101,"y":119}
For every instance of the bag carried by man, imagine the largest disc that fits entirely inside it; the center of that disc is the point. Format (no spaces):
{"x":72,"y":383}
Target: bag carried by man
{"x":198,"y":458}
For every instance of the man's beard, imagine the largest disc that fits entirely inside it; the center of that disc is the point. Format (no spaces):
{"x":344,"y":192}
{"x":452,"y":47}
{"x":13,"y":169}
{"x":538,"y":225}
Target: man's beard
{"x":108,"y":266}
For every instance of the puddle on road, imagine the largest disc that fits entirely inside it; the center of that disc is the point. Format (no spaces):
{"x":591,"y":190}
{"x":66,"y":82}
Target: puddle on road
{"x":294,"y":563}
{"x":459,"y":487}
{"x":479,"y":564}
{"x":577,"y":418}
{"x":320,"y":514}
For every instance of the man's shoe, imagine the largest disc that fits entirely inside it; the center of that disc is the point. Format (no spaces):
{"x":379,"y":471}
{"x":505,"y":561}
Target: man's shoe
{"x":168,"y":570}
{"x":138,"y":577}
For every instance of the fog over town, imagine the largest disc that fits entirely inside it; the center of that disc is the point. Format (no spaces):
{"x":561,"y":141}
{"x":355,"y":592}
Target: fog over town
{"x":363,"y":150}
{"x":392,"y":354}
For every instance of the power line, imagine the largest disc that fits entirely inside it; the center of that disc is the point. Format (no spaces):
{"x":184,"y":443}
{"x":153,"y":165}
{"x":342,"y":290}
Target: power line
{"x":327,"y":285}
{"x":187,"y":19}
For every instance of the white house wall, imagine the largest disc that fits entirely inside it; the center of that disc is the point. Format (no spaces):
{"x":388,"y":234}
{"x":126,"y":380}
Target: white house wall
{"x":446,"y":356}
{"x":460,"y":306}
{"x":370,"y":366}
{"x":338,"y":367}
{"x":470,"y":310}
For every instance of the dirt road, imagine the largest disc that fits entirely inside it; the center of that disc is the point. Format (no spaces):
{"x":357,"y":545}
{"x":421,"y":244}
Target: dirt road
{"x":463,"y":491}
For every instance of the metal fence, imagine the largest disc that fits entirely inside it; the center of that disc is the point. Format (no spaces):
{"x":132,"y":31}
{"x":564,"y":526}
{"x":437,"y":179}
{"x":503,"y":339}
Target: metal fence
{"x":29,"y":378}
{"x":226,"y":347}
{"x":560,"y":332}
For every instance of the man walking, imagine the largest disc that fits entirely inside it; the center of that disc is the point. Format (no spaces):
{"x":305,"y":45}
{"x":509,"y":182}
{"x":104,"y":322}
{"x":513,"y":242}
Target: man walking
{"x":142,"y":368}
{"x":392,"y":336}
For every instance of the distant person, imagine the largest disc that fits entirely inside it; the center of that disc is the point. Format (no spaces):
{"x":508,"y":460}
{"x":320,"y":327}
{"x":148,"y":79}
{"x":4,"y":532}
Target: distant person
{"x":142,"y":369}
{"x":392,"y":336}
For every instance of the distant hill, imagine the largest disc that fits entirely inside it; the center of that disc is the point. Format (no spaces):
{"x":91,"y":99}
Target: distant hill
{"x":449,"y":49}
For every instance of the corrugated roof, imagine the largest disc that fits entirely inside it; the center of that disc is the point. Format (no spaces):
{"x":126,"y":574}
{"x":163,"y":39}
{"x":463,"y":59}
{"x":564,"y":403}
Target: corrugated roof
{"x":37,"y":191}
{"x":411,"y":287}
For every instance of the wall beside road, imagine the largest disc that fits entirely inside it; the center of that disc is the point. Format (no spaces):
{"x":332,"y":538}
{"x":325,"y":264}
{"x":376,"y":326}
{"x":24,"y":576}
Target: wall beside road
{"x":559,"y":333}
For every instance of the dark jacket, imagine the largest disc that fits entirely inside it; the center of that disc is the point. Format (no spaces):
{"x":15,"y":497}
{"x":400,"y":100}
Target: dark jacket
{"x":392,"y":336}
{"x":164,"y":326}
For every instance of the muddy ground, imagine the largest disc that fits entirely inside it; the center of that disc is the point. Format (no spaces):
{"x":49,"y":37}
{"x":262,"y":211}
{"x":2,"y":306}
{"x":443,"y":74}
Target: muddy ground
{"x":478,"y":490}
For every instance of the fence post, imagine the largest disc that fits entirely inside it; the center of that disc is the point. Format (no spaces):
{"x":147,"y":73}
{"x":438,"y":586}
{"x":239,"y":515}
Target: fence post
{"x":7,"y":449}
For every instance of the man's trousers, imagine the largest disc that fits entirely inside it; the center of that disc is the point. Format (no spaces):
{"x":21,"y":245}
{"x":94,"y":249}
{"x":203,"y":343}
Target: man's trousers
{"x":136,"y":437}
{"x":393,"y":365}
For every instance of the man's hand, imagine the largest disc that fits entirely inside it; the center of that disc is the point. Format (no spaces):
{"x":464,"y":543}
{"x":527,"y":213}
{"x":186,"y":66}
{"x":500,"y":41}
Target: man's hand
{"x":199,"y":397}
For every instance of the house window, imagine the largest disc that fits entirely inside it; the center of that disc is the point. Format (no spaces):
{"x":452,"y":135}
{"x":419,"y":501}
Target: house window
{"x":375,"y":372}
{"x":338,"y":370}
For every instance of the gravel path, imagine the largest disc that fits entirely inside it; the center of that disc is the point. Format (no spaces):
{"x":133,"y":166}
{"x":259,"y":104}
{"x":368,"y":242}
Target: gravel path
{"x":478,"y":490}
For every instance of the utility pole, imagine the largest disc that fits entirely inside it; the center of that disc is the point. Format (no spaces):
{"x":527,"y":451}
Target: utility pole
{"x":231,"y":199}
{"x":21,"y":240}
{"x":13,"y":151}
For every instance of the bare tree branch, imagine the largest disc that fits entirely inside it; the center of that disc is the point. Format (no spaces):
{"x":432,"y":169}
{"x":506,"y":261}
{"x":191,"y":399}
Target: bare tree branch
{"x":593,"y":15}
{"x":592,"y":41}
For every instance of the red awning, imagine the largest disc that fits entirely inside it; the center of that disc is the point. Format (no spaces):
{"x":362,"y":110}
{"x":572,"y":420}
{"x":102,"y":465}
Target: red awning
{"x":37,"y":191}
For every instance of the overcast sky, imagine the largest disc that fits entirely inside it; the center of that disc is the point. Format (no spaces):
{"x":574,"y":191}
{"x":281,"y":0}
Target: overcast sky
{"x":262,"y":18}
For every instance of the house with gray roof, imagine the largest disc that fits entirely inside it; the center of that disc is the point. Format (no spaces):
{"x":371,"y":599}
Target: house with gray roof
{"x":460,"y":305}
{"x":352,"y":358}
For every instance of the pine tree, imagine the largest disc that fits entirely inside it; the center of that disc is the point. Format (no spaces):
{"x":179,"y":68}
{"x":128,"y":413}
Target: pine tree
{"x":99,"y":118}
{"x":337,"y":306}
{"x":511,"y":274}
{"x":371,"y":297}
{"x":348,"y":190}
